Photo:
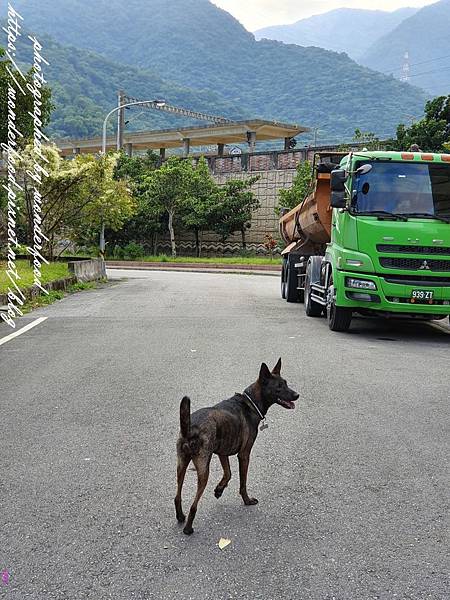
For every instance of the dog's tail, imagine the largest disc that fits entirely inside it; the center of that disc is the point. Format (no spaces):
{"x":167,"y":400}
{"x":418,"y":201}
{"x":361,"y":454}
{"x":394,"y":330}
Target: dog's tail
{"x":185,"y":416}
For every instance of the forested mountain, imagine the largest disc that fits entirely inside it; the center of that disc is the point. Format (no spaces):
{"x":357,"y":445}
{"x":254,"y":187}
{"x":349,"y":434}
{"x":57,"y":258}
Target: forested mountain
{"x":426,"y":37}
{"x":84,"y":88}
{"x":196,"y":44}
{"x":343,"y":30}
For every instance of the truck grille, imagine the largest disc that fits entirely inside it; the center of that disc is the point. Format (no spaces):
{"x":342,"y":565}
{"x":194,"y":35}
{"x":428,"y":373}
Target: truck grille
{"x":418,"y":280}
{"x":415,"y":264}
{"x":413,"y":249}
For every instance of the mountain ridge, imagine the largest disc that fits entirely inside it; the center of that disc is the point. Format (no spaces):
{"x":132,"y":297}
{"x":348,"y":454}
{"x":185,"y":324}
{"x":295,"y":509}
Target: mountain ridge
{"x":339,"y":30}
{"x":388,"y":53}
{"x":194,"y":44}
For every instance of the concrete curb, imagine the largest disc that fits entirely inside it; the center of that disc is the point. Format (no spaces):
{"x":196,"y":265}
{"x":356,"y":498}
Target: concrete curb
{"x":196,"y":267}
{"x":177,"y":269}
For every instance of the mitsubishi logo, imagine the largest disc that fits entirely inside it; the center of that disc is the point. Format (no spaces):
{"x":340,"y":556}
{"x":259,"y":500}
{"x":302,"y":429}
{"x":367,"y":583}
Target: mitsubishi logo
{"x":425,"y":266}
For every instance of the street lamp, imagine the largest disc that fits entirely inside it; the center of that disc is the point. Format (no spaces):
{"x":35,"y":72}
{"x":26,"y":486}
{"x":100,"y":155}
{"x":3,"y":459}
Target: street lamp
{"x":155,"y":104}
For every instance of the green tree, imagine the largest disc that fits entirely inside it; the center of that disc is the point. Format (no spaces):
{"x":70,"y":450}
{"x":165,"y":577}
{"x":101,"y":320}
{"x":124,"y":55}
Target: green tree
{"x":146,"y":224}
{"x":234,"y":211}
{"x":24,"y":103}
{"x":76,"y":196}
{"x":167,"y":190}
{"x":202,"y":198}
{"x":301,"y":186}
{"x":430,"y":133}
{"x":368,"y":138}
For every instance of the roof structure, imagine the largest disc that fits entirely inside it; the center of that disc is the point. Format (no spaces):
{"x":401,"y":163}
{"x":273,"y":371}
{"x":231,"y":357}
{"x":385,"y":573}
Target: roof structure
{"x":220,"y":134}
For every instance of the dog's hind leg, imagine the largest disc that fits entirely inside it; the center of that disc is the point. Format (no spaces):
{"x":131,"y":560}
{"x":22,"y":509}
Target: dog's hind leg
{"x":244,"y":459}
{"x":225,"y":462}
{"x":201,"y":463}
{"x":183,"y":462}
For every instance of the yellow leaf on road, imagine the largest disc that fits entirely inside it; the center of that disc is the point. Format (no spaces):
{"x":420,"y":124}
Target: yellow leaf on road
{"x":223,"y":543}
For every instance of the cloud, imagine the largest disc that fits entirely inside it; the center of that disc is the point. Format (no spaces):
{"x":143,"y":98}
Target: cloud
{"x":254,"y":14}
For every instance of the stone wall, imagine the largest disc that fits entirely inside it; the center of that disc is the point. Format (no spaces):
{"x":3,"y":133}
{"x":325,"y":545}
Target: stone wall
{"x":264,"y":219}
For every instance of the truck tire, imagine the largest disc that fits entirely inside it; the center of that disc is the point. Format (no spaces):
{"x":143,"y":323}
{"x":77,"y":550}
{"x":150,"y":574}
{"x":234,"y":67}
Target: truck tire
{"x":292,"y":294}
{"x":283,"y":278}
{"x":312,"y":308}
{"x":339,"y":318}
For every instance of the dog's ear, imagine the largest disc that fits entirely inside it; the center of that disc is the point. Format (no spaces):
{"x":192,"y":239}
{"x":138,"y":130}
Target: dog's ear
{"x":277,"y":368}
{"x":264,"y":373}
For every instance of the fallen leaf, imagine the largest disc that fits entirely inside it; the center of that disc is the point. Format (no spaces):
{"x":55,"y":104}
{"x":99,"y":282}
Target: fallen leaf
{"x":223,"y":543}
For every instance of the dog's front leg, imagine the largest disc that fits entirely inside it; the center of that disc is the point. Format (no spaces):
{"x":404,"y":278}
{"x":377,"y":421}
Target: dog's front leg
{"x":244,"y":459}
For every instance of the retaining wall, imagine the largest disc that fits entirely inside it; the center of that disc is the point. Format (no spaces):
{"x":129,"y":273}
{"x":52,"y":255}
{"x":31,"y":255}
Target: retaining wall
{"x":88,"y":270}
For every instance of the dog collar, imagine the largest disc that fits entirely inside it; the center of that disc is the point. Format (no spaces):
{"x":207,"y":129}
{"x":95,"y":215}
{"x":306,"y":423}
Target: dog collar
{"x":262,"y":417}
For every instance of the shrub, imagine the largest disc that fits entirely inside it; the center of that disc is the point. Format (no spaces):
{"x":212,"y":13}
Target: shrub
{"x":133,"y":251}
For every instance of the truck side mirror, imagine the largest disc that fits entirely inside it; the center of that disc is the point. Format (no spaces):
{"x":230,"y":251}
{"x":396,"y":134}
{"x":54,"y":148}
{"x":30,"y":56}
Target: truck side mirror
{"x":338,"y":200}
{"x":338,"y":179}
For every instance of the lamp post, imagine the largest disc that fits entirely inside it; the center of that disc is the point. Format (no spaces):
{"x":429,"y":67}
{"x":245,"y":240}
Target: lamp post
{"x":156,"y":104}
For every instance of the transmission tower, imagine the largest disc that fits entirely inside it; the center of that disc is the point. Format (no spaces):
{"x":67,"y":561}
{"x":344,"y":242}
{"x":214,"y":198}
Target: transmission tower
{"x":405,"y":76}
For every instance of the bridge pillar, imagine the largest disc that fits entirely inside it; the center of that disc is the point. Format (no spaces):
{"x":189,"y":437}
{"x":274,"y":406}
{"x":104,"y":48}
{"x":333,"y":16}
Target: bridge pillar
{"x":186,"y":146}
{"x":220,"y":149}
{"x":129,"y":149}
{"x":251,"y":137}
{"x":162,"y":153}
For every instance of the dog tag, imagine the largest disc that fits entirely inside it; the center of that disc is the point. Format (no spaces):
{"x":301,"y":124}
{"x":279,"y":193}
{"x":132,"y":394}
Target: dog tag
{"x":263,"y":426}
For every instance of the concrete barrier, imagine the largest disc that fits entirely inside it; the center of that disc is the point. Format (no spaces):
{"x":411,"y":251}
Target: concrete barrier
{"x":88,"y":270}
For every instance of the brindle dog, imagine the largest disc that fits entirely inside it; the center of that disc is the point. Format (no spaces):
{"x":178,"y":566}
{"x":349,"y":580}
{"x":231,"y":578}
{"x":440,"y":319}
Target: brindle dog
{"x":227,"y":428}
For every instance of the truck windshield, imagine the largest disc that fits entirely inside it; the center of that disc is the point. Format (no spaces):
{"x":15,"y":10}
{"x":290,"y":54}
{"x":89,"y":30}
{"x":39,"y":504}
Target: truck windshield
{"x":403,"y":188}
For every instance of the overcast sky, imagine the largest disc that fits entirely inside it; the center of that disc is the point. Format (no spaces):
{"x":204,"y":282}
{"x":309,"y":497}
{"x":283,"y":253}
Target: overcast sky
{"x":255,"y":14}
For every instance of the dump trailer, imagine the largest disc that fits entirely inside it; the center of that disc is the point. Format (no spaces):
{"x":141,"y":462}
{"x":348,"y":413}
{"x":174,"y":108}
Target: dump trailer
{"x":371,"y":238}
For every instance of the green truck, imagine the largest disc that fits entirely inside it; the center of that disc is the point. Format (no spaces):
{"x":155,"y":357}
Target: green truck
{"x":372,"y":238}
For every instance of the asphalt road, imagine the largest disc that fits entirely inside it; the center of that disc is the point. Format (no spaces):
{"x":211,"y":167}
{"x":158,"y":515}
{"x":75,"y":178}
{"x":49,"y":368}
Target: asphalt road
{"x":353,"y":486}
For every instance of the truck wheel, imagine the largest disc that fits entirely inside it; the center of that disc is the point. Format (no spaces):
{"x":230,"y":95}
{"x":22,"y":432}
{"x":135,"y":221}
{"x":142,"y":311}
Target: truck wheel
{"x":283,"y":278}
{"x":291,"y":281}
{"x":339,"y":318}
{"x":312,"y":309}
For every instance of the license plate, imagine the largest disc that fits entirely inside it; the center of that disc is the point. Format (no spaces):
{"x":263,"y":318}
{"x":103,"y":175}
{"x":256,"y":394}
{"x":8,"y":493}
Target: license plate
{"x":422,"y":296}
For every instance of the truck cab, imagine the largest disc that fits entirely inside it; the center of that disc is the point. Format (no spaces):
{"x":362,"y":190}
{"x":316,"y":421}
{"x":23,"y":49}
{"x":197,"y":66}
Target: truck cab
{"x":384,"y":247}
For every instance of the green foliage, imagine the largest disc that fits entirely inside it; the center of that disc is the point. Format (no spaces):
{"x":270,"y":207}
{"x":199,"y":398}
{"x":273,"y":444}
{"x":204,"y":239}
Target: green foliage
{"x":234,"y":211}
{"x":84,"y":87}
{"x":24,"y":104}
{"x":166,"y":190}
{"x":133,"y":251}
{"x":76,"y":196}
{"x":50,"y":272}
{"x":231,"y":72}
{"x":368,"y":138}
{"x":426,"y":37}
{"x":430,"y":133}
{"x":301,"y":186}
{"x":146,"y":223}
{"x":203,"y":195}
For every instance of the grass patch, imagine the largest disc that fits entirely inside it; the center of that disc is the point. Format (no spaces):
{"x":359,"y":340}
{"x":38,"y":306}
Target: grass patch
{"x":51,"y":272}
{"x":55,"y":295}
{"x":234,"y":260}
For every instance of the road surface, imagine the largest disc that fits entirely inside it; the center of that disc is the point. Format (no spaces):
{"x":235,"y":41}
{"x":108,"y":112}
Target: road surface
{"x":353,"y":485}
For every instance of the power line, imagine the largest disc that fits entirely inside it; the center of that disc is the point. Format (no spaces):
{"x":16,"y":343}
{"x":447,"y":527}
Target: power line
{"x":429,"y":72}
{"x":422,"y":62}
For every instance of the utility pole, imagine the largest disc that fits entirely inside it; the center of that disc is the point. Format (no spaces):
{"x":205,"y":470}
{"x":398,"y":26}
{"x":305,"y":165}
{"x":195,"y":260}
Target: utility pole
{"x":120,"y":118}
